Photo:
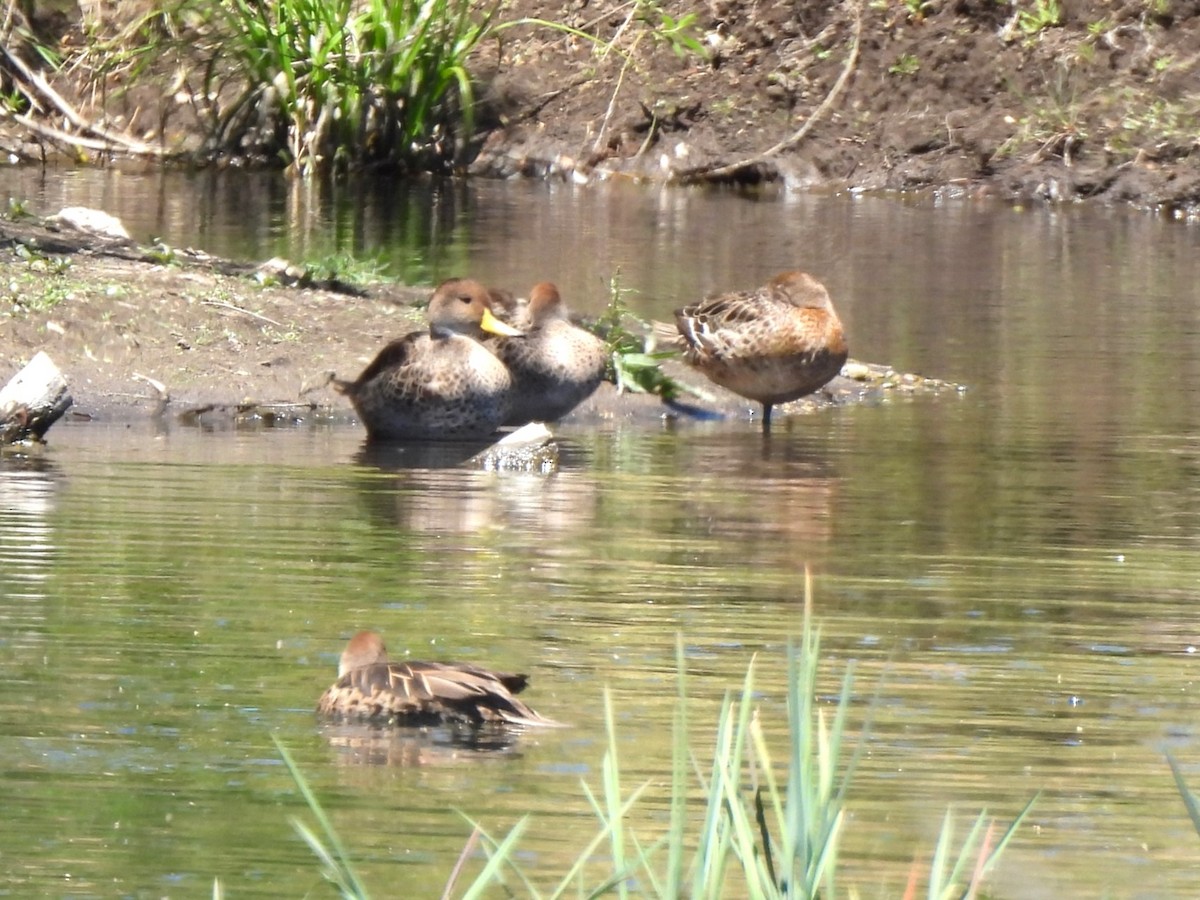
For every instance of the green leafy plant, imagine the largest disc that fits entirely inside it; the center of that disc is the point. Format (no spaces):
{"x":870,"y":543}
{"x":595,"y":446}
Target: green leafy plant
{"x":918,"y":8}
{"x":1044,"y":14}
{"x":678,"y":34}
{"x":341,"y":83}
{"x":631,"y":366}
{"x":17,"y":209}
{"x":40,"y":262}
{"x":906,"y":65}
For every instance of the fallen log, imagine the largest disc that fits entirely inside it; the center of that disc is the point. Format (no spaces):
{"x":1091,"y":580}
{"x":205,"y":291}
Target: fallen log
{"x":32,"y":401}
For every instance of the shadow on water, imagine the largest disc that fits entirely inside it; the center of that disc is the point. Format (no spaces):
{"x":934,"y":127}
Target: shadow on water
{"x":396,"y":456}
{"x":411,"y":747}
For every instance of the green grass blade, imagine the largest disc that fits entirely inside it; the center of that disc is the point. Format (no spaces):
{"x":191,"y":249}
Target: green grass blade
{"x":500,"y":856}
{"x":1189,"y":799}
{"x":937,"y":866}
{"x":679,"y":774}
{"x":337,"y":858}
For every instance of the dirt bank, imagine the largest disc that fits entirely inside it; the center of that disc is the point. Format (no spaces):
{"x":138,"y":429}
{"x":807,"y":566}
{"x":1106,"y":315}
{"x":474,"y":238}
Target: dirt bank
{"x":1027,"y":99}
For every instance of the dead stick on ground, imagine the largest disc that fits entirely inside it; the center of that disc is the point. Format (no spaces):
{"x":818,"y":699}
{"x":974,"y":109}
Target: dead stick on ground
{"x":53,"y":134}
{"x":37,"y":83}
{"x":223,"y":305}
{"x":701,"y":174}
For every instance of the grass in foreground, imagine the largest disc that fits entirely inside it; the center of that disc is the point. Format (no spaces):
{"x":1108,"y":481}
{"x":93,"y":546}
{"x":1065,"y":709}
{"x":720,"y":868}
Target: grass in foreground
{"x":759,"y":836}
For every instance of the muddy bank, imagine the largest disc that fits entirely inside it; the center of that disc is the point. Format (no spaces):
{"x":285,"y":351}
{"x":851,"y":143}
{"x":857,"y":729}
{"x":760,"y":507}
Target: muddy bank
{"x":213,"y":341}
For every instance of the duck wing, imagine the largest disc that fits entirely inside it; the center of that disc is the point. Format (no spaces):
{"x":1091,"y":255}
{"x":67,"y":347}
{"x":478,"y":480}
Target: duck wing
{"x":394,"y":355}
{"x":414,"y":693}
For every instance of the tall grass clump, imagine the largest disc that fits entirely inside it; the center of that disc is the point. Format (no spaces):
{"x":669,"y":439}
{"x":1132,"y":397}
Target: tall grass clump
{"x":767,"y":828}
{"x":333,"y":84}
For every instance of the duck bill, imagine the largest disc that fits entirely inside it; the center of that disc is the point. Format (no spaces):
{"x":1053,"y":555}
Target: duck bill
{"x":495,"y":326}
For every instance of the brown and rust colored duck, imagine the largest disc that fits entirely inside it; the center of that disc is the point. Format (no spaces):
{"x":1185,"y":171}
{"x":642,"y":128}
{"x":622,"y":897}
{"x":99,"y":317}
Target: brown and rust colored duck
{"x":555,"y":366}
{"x":774,"y":344}
{"x":442,"y":384}
{"x":371,"y":688}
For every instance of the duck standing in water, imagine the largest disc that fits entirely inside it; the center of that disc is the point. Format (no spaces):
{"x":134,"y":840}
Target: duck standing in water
{"x":442,"y":384}
{"x":371,"y":688}
{"x":774,"y":344}
{"x":555,"y":366}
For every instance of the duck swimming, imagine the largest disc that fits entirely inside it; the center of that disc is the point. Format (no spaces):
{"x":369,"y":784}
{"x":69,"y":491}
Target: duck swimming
{"x":371,"y":688}
{"x":442,"y":384}
{"x":773,"y":344}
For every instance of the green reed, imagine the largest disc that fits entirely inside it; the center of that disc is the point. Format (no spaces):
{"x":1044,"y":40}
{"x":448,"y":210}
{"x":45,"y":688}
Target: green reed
{"x":338,"y":83}
{"x":760,"y":835}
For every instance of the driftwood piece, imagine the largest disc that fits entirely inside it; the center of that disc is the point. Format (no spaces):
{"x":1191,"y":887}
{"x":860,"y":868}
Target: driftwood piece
{"x":32,"y":401}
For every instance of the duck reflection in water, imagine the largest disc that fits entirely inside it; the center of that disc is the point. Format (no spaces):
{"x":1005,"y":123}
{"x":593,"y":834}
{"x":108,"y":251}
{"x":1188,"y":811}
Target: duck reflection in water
{"x":773,"y":344}
{"x":359,"y":744}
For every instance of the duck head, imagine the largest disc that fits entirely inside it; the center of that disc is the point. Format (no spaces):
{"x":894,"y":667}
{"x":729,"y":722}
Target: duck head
{"x":463,"y":306}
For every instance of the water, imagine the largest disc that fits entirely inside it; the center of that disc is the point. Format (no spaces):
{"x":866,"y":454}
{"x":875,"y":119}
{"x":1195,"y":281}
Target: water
{"x":1017,"y":565}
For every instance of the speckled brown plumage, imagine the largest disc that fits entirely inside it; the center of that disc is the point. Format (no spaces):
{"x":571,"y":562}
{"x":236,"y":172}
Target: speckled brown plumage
{"x":437,"y":385}
{"x":372,"y":688}
{"x":774,"y":344}
{"x":555,"y":366}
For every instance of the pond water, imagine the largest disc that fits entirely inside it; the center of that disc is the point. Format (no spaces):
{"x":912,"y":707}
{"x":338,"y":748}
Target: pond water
{"x":1016,"y":565}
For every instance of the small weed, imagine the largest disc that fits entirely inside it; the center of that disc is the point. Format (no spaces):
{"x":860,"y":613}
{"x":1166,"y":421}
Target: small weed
{"x":918,"y":8}
{"x":17,"y":209}
{"x":1162,"y":63}
{"x":49,"y":296}
{"x":630,"y":367}
{"x":726,"y":107}
{"x":1055,"y":121}
{"x":906,"y":65}
{"x":282,"y":337}
{"x":678,"y":34}
{"x":1146,"y":121}
{"x":1045,"y":14}
{"x":162,"y":254}
{"x":349,"y":269}
{"x":39,"y":262}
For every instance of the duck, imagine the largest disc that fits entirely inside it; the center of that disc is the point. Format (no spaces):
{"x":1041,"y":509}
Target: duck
{"x":371,"y":688}
{"x":773,"y":344}
{"x":556,"y":365}
{"x":442,"y":384}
